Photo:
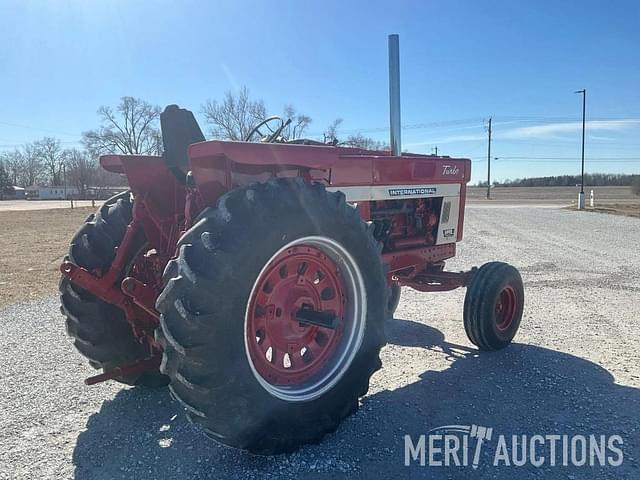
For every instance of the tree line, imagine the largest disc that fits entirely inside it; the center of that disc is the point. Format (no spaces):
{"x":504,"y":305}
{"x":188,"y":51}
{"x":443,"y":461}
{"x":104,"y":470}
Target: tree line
{"x":590,"y":179}
{"x":133,"y":127}
{"x":45,"y":162}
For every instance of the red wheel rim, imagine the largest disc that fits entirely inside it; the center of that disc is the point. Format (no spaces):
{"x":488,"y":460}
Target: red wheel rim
{"x":506,"y":306}
{"x":284,"y":351}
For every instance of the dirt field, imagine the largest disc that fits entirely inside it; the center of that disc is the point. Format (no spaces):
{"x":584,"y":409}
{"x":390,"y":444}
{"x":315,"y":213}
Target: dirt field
{"x":21,"y":205}
{"x":32,"y":245}
{"x":553,"y":195}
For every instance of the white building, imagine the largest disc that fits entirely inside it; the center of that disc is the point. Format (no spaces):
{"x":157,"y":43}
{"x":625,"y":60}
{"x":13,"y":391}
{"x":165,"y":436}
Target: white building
{"x":12,"y":193}
{"x":36,"y":192}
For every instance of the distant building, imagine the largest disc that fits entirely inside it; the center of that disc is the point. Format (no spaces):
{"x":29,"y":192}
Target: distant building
{"x":36,"y":192}
{"x":103,"y":193}
{"x":12,"y":193}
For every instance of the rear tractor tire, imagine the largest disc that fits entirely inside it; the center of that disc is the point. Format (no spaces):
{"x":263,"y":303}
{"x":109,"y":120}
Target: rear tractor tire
{"x":100,"y":331}
{"x":493,"y":306}
{"x":240,"y":360}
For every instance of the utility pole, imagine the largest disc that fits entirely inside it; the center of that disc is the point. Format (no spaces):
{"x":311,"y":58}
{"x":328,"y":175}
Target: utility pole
{"x":489,"y":163}
{"x":436,"y":149}
{"x":64,"y":182}
{"x":584,"y":104}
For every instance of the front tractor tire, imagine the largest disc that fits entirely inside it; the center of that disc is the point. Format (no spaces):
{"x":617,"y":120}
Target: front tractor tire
{"x":273,"y":315}
{"x":493,"y":306}
{"x":100,"y":331}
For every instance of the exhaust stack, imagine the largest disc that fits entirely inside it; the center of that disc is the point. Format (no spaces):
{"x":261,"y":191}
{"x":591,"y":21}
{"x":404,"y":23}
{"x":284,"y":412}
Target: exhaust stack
{"x":394,"y":94}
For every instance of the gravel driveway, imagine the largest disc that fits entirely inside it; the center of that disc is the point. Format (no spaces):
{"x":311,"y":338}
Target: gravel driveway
{"x":574,"y":370}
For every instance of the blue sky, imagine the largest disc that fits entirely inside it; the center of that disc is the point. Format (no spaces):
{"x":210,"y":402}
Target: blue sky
{"x":461,"y":62}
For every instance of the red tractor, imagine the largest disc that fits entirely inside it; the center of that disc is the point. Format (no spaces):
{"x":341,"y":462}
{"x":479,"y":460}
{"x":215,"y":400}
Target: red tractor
{"x":255,"y":278}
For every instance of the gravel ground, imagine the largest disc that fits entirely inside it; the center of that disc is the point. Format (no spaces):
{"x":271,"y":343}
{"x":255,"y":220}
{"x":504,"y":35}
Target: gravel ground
{"x":573,"y":370}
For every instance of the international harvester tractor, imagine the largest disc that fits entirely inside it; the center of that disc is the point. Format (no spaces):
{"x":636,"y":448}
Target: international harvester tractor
{"x":255,"y":278}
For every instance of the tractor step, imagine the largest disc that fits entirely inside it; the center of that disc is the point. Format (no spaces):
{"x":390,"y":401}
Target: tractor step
{"x":126,"y":370}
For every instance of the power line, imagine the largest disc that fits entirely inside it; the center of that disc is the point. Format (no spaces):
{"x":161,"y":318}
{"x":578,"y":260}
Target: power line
{"x":470,"y":122}
{"x":410,"y":126}
{"x":28,"y":127}
{"x":573,"y":161}
{"x":558,"y":162}
{"x":17,"y":145}
{"x":613,"y":143}
{"x":478,"y":121}
{"x":518,"y":157}
{"x":526,"y":160}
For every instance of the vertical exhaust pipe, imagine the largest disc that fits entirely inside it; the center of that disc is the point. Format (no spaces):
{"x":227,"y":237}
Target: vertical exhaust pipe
{"x":394,"y":94}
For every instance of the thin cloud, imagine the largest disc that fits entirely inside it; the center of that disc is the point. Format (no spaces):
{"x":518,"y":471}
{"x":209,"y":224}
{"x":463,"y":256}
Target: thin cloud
{"x":555,"y":130}
{"x":547,"y":131}
{"x":602,"y":138}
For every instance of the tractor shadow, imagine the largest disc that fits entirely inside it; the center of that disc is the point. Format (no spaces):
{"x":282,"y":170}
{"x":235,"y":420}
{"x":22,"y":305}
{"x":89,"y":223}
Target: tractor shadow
{"x":406,"y":333}
{"x":520,"y":390}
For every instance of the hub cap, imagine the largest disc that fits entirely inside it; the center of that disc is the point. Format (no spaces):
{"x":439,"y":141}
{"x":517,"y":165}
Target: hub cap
{"x":300,"y":361}
{"x":505,"y":310}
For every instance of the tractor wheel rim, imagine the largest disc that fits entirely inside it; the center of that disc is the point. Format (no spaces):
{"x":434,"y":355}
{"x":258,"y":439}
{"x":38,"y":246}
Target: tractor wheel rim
{"x":300,"y":362}
{"x":506,"y":306}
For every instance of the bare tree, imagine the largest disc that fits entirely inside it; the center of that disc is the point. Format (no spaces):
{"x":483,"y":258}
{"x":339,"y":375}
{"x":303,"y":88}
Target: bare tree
{"x":5,"y":181}
{"x":5,"y":161}
{"x":235,"y":116}
{"x":81,"y":170}
{"x":52,"y":158}
{"x":331,"y":133}
{"x":13,"y":164}
{"x":366,"y":143}
{"x":131,"y":129}
{"x":298,"y":125}
{"x":103,"y":178}
{"x":30,"y":165}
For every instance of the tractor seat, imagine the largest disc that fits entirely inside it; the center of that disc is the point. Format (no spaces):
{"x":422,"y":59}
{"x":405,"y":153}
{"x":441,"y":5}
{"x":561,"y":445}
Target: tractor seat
{"x":179,"y":130}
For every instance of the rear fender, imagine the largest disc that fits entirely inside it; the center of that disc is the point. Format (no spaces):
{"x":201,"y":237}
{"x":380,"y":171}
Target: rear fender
{"x":219,"y":166}
{"x":112,"y":163}
{"x":159,"y":197}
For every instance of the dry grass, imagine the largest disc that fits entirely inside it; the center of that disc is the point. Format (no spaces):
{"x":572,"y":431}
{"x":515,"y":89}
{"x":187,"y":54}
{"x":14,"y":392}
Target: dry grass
{"x":628,"y":210}
{"x":611,"y":200}
{"x":604,"y":196}
{"x":32,"y":245}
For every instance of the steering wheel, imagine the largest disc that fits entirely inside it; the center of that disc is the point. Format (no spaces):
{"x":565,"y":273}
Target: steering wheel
{"x":272,"y":125}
